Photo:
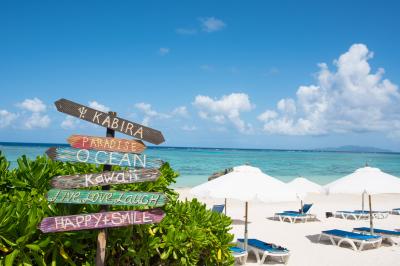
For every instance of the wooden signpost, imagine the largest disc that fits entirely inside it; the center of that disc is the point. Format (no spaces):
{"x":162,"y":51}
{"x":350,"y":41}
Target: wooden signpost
{"x":106,"y":178}
{"x":110,"y":121}
{"x":101,"y":197}
{"x":100,"y":220}
{"x":107,"y":151}
{"x":66,"y":154}
{"x":106,"y":144}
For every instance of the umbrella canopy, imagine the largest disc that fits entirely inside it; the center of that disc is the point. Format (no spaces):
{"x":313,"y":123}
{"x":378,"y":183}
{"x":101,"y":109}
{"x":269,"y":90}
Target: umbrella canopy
{"x":368,"y":180}
{"x":302,"y":186}
{"x":246,"y":183}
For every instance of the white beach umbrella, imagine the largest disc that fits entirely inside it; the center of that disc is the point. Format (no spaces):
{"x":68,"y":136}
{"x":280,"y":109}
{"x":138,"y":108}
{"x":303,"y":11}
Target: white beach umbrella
{"x":303,"y":186}
{"x":246,"y":183}
{"x":368,"y":180}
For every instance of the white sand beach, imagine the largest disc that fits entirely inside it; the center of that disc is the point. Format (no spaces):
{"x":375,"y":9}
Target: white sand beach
{"x":301,"y":238}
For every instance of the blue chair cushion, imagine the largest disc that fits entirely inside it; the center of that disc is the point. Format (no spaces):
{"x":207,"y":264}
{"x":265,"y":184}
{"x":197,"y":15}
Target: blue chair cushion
{"x":272,"y":248}
{"x":218,"y":208}
{"x":351,"y":235}
{"x":306,"y":208}
{"x":237,"y":250}
{"x":379,"y":231}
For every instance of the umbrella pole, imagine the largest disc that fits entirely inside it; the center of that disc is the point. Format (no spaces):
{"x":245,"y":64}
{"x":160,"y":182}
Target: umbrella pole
{"x":362,"y":202}
{"x":371,"y":224}
{"x":225,"y":206}
{"x":301,"y":206}
{"x":245,"y":226}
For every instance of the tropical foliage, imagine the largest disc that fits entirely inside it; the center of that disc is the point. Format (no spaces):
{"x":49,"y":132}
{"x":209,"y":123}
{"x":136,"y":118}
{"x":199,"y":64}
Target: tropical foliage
{"x":188,"y":235}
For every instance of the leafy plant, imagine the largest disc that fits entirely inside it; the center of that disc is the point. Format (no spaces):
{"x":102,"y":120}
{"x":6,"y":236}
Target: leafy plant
{"x":190,"y":234}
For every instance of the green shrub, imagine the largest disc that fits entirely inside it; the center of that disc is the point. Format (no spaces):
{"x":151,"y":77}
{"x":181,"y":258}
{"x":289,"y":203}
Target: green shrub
{"x":188,"y":235}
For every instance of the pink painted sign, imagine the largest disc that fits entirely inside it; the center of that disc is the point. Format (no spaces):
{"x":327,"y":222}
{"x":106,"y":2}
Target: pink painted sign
{"x":100,"y":220}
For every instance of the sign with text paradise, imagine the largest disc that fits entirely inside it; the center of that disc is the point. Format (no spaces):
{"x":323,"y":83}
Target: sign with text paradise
{"x":106,"y":178}
{"x":104,"y":197}
{"x":100,"y":220}
{"x":106,"y":144}
{"x":106,"y":120}
{"x":102,"y":157}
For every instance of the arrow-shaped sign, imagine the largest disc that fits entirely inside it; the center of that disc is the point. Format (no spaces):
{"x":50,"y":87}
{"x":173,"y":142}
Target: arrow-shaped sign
{"x":66,"y":154}
{"x":106,"y":178}
{"x":100,"y":220}
{"x":104,"y":197}
{"x":107,"y":120}
{"x":106,"y":144}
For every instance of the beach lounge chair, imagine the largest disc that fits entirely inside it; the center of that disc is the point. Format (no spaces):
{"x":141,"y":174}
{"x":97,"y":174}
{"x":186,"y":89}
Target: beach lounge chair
{"x":306,"y":208}
{"x":396,"y":211}
{"x":351,"y":215}
{"x":359,"y":214}
{"x":387,"y":235}
{"x":218,"y":208}
{"x":239,"y":254}
{"x":292,"y":217}
{"x":262,"y":250}
{"x":351,"y":238}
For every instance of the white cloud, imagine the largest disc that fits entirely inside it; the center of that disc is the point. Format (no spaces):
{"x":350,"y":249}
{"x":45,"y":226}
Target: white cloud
{"x":149,"y":113}
{"x":227,"y":108}
{"x":211,"y":24}
{"x":180,"y":111}
{"x":69,"y":122}
{"x":163,"y":51}
{"x":186,"y":31}
{"x":6,"y":118}
{"x":34,"y":105}
{"x":189,"y":128}
{"x":350,"y":99}
{"x":99,"y":106}
{"x":36,"y":120}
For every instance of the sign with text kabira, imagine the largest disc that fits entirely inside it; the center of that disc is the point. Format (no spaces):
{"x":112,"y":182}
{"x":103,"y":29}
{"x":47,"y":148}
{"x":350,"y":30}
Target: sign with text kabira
{"x":105,"y":197}
{"x":106,"y":178}
{"x":133,"y":160}
{"x":100,"y":220}
{"x":106,"y":144}
{"x":107,"y":120}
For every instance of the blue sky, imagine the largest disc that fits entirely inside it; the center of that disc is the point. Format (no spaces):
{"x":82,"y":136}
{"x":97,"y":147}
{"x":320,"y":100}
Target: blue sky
{"x":206,"y":73}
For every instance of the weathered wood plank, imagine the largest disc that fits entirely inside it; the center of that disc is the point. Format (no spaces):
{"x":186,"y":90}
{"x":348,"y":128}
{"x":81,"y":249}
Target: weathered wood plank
{"x":133,"y":160}
{"x":106,"y":144}
{"x":100,"y":220}
{"x":106,"y":178}
{"x":106,"y":120}
{"x":102,"y":197}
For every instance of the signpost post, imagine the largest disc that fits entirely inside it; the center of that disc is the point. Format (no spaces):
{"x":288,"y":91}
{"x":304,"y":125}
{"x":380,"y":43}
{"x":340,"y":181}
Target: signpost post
{"x":102,"y":236}
{"x":107,"y":151}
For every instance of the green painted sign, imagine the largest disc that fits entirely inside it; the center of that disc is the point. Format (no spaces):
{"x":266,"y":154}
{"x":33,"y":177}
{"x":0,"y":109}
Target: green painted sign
{"x":101,"y":197}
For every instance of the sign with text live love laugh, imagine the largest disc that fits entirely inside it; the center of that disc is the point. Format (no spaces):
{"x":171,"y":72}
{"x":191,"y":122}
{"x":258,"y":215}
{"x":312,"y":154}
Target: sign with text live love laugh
{"x":112,"y":122}
{"x":100,"y":220}
{"x":101,"y":197}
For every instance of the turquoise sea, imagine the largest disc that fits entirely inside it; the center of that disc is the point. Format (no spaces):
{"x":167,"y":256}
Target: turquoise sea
{"x":196,"y":164}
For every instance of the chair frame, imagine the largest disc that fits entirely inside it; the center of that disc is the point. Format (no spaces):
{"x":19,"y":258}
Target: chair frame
{"x":351,"y":241}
